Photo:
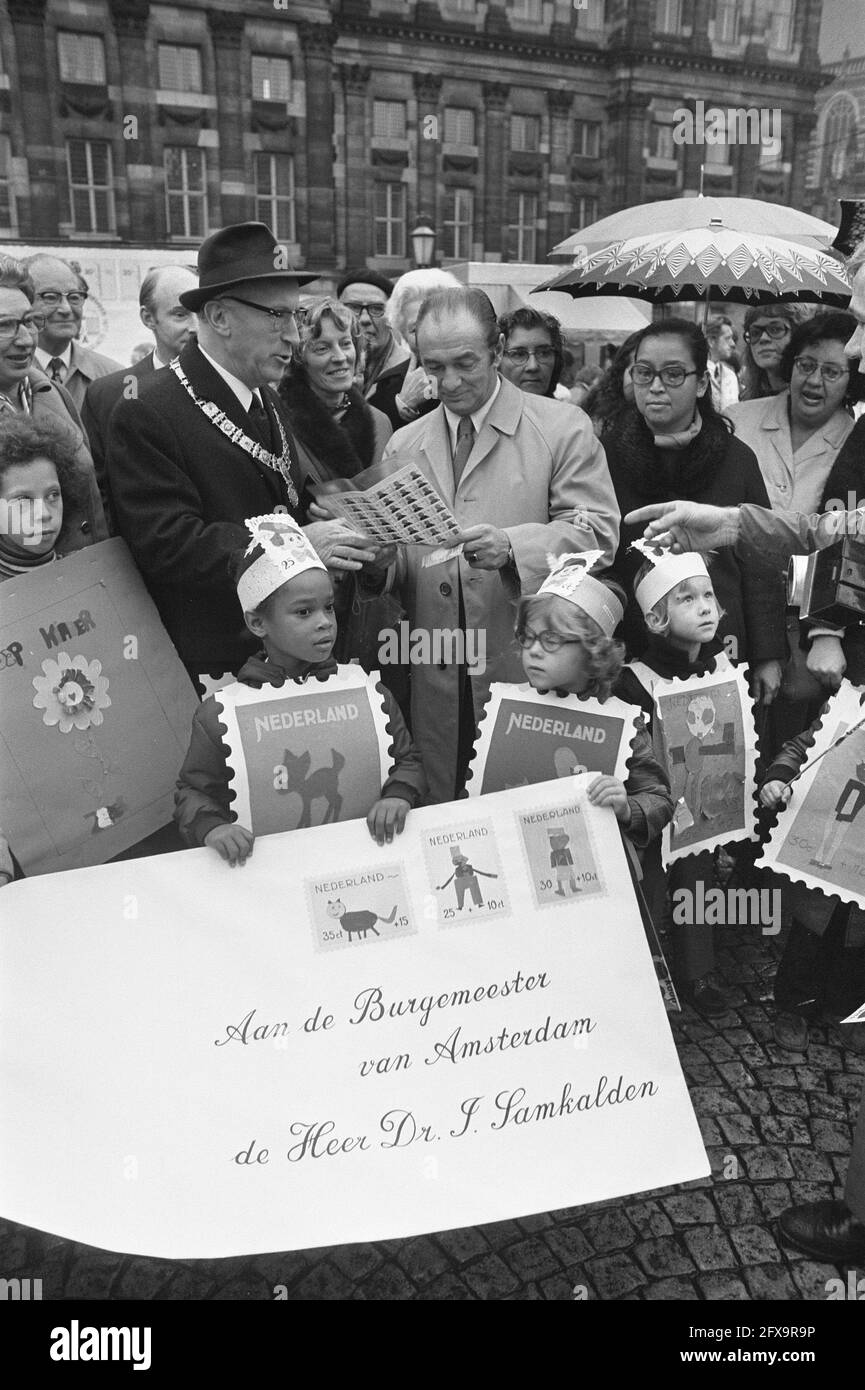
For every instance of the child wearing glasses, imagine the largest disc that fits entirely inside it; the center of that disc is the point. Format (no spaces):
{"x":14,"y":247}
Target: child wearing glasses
{"x":682,"y":616}
{"x":566,"y":631}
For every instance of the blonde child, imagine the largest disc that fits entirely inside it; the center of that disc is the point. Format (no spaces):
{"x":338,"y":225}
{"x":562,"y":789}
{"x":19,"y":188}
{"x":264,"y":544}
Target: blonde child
{"x":287,"y":599}
{"x":681,"y":615}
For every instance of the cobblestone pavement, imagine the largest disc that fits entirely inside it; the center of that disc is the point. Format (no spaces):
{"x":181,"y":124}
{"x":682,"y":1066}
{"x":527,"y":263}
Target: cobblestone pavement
{"x":778,"y":1129}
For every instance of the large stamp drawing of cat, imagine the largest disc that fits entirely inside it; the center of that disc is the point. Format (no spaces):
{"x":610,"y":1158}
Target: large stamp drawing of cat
{"x":357,"y":909}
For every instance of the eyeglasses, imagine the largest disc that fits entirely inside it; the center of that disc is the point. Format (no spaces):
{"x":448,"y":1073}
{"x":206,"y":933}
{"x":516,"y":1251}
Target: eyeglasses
{"x":522,"y":355}
{"x":829,"y":371}
{"x":34,"y":323}
{"x":53,"y":297}
{"x":550,"y":641}
{"x":644,"y":375}
{"x":375,"y":311}
{"x":278,"y":317}
{"x":775,"y":331}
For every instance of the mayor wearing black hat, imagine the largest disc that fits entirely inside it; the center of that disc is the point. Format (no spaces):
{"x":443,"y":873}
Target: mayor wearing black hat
{"x":207,"y":443}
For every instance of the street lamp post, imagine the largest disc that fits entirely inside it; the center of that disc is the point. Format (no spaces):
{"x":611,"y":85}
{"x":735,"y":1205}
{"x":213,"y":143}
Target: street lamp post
{"x":423,"y":240}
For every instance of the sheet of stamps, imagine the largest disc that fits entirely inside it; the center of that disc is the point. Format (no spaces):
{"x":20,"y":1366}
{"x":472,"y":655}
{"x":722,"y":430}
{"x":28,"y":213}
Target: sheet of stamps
{"x":403,"y":507}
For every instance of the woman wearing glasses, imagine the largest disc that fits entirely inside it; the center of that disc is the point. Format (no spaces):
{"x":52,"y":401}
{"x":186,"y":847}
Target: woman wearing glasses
{"x":796,"y":436}
{"x":767,"y":331}
{"x":534,"y":352}
{"x":673,"y":443}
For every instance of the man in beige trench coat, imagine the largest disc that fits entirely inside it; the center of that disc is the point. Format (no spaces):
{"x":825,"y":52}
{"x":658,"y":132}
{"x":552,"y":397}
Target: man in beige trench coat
{"x":526,"y":480}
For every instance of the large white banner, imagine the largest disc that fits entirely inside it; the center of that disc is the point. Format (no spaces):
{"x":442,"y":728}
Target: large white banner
{"x":338,"y":1042}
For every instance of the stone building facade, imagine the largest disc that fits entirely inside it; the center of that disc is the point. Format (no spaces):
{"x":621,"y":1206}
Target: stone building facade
{"x":510,"y":123}
{"x":837,"y":167}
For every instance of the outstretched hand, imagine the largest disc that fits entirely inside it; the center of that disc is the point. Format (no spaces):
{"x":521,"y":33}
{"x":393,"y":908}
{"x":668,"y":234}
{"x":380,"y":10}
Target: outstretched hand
{"x":687,"y":526}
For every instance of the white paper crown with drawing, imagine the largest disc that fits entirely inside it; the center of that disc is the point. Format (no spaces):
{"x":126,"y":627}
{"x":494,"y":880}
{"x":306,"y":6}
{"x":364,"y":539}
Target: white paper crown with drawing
{"x":286,"y":554}
{"x":569,"y":579}
{"x":668,"y":570}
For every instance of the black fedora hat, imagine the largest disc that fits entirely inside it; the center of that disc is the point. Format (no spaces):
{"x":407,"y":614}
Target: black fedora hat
{"x":244,"y":251}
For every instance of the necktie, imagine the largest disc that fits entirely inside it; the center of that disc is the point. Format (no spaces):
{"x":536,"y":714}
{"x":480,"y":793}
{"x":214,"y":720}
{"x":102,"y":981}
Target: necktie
{"x":259,"y":417}
{"x":57,"y":370}
{"x":465,"y":443}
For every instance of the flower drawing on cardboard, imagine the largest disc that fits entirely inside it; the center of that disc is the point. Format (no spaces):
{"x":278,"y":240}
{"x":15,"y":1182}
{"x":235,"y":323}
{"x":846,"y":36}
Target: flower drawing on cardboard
{"x":708,"y":732}
{"x":72,"y":692}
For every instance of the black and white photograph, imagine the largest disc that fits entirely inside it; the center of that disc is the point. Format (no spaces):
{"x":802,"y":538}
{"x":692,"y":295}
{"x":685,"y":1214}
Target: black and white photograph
{"x":344,"y":815}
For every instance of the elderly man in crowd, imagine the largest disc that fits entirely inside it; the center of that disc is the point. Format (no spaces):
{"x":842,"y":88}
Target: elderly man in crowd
{"x":60,"y":296}
{"x":386,"y":360}
{"x":25,"y":390}
{"x":526,"y":479}
{"x":534,"y":351}
{"x":171,"y":324}
{"x":207,"y":444}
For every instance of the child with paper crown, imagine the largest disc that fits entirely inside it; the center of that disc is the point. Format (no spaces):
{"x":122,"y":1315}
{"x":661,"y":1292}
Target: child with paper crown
{"x":566,"y":634}
{"x":286,"y":595}
{"x":681,"y":614}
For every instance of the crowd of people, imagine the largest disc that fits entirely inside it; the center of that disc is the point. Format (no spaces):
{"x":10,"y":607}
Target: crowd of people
{"x":255,"y":398}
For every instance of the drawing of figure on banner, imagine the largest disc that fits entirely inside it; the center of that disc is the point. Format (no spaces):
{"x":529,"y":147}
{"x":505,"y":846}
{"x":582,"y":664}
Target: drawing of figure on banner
{"x":707,"y":726}
{"x":819,"y":839}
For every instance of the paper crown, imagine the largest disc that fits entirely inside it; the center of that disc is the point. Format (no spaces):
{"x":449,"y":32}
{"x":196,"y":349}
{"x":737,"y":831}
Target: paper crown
{"x":569,"y":579}
{"x":668,"y":571}
{"x":286,"y":554}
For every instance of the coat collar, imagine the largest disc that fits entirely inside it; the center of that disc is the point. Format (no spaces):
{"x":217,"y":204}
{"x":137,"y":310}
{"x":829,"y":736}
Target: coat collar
{"x":829,"y":436}
{"x":503,"y":419}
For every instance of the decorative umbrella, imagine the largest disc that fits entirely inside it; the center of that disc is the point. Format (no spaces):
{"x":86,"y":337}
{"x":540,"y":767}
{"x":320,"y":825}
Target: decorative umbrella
{"x":705,"y":249}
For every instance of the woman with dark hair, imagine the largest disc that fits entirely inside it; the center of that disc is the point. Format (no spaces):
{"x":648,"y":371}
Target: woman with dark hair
{"x":672,"y":443}
{"x":766,"y":332}
{"x":534,"y":351}
{"x":606,"y":401}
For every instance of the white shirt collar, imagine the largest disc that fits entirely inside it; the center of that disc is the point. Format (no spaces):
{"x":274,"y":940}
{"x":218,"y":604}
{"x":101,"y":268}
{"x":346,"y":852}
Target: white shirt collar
{"x":240,"y":389}
{"x":43,"y":358}
{"x":477,"y":418}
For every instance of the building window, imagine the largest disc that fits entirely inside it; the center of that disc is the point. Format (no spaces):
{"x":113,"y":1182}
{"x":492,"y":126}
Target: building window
{"x":585,"y":211}
{"x":179,"y":68}
{"x":388,"y":120}
{"x":727,"y":21}
{"x":525,"y":133}
{"x":781,"y":25}
{"x":527,"y":9}
{"x":271,"y":78}
{"x":82,"y":58}
{"x":772,"y":154}
{"x":90,"y":193}
{"x":459,"y":223}
{"x":523,"y":228}
{"x":662,"y":145}
{"x":587,"y":138}
{"x":185,"y":191}
{"x":461,"y":6}
{"x":715,"y":155}
{"x":459,"y":125}
{"x":668,"y":16}
{"x":838,"y":129}
{"x":595,"y":12}
{"x":390,"y":219}
{"x":274,"y":194}
{"x":6,"y":224}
